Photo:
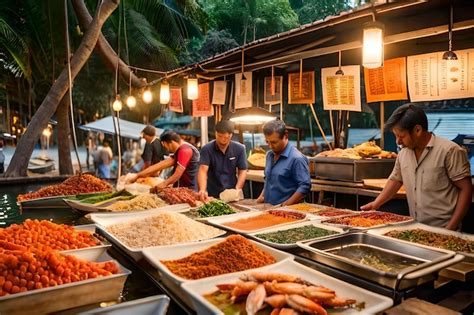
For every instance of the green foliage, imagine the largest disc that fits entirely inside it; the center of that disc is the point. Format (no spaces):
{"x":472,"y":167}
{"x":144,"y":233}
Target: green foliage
{"x":313,"y":10}
{"x":215,"y":42}
{"x":250,"y":19}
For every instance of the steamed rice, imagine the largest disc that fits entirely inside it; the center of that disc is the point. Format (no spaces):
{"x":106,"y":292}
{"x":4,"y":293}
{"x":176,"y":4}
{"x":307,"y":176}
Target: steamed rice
{"x":165,"y":228}
{"x":140,"y":202}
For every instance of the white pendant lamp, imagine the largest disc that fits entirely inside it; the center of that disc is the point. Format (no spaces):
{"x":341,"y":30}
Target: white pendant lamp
{"x":164,"y":92}
{"x":117,"y":105}
{"x":147,"y":96}
{"x":372,"y":50}
{"x":131,"y":102}
{"x":192,"y":88}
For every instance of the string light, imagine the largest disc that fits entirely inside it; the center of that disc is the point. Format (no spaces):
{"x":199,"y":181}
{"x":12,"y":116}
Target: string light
{"x":164,"y":92}
{"x":117,"y":105}
{"x":147,"y":96}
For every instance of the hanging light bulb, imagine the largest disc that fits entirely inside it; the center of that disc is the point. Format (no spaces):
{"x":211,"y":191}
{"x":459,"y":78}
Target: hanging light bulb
{"x":450,"y":54}
{"x":147,"y":96}
{"x":192,"y":88}
{"x":372,"y":50}
{"x":117,"y":105}
{"x":131,"y":101}
{"x":164,"y":92}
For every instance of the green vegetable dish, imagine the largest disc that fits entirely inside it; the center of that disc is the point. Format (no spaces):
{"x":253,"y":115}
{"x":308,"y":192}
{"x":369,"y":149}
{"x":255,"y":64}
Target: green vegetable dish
{"x":214,"y":208}
{"x":119,"y":195}
{"x":294,"y":235}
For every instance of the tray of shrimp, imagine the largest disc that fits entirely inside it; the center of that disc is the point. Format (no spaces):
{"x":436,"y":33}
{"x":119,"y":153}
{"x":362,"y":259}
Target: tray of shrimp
{"x":284,"y":288}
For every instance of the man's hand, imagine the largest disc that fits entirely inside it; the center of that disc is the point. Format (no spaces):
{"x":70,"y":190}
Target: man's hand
{"x":203,"y":196}
{"x":261,"y":199}
{"x":131,"y":178}
{"x":160,"y":186}
{"x":370,"y":206}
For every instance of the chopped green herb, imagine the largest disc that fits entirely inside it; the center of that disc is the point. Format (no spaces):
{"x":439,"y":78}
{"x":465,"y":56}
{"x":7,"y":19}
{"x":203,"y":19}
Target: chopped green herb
{"x":296,"y":234}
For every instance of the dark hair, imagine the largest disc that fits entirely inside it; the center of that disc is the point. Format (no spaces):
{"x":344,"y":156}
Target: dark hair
{"x":149,"y":130}
{"x":406,"y":117}
{"x":225,"y":126}
{"x":169,"y":136}
{"x":272,"y":126}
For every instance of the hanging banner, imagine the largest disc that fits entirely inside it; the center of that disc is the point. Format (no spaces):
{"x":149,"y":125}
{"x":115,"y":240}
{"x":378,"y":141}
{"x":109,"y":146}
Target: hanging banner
{"x":273,"y":93}
{"x":202,"y":106}
{"x":387,"y":83}
{"x":301,"y":93}
{"x":219,"y":92}
{"x":430,"y":78}
{"x":243,"y":90}
{"x":341,"y":92}
{"x":176,"y":100}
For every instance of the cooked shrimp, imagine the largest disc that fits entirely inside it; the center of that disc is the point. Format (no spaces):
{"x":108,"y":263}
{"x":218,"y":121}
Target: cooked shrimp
{"x":339,"y":302}
{"x":276,"y":301}
{"x":243,"y":288}
{"x":262,"y":277}
{"x":302,"y":304}
{"x":255,"y":300}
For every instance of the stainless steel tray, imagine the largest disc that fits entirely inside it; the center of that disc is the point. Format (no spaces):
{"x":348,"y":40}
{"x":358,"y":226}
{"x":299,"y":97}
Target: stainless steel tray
{"x":433,"y":260}
{"x":352,"y":170}
{"x":152,"y":305}
{"x":66,"y":296}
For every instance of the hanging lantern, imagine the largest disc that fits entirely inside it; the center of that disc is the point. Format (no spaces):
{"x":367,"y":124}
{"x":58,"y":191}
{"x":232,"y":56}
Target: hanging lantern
{"x":131,"y":102}
{"x":164,"y":92}
{"x":147,"y":96}
{"x":117,"y":105}
{"x":372,"y":50}
{"x":192,"y":88}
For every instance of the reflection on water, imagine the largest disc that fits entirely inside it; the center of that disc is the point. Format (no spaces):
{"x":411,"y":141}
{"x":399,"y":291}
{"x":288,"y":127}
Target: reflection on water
{"x":10,"y":213}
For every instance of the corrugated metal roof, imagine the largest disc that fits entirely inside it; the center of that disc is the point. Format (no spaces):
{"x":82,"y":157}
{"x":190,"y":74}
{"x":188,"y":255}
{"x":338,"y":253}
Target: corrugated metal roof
{"x":449,"y":124}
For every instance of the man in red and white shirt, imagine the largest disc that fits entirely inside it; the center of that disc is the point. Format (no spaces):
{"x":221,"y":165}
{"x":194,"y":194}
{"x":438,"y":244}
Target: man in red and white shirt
{"x":185,"y":162}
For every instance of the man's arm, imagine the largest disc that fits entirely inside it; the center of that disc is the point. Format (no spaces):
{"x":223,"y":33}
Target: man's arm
{"x":173,"y":178}
{"x":463,"y":203}
{"x":295,"y":198}
{"x":153,"y":169}
{"x":390,"y":189}
{"x":241,"y":176}
{"x":202,"y":181}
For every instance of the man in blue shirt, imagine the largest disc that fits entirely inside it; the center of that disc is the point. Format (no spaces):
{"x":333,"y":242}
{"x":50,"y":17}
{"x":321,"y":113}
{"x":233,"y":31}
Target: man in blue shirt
{"x":223,"y":163}
{"x":287,"y":178}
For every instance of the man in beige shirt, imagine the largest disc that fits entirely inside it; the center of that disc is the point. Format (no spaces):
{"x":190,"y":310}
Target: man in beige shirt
{"x":435,"y":172}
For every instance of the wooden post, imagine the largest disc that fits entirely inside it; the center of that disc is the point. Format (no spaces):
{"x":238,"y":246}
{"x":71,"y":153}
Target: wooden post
{"x":382,"y":125}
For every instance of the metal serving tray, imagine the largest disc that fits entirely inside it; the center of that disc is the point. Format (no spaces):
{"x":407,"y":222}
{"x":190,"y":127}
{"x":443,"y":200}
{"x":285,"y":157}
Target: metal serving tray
{"x":66,"y":296}
{"x":152,"y":305}
{"x":433,"y":260}
{"x":351,"y":170}
{"x":469,"y":257}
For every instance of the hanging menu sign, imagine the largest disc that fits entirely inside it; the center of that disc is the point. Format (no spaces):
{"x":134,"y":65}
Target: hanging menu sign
{"x":243,"y":90}
{"x":301,"y":92}
{"x":341,"y":92}
{"x":387,"y":83}
{"x":202,"y":105}
{"x":219,"y":92}
{"x":430,"y":78}
{"x":176,"y":100}
{"x":273,"y":90}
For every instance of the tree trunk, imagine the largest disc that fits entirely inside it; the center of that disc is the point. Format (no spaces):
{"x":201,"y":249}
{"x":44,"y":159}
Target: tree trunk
{"x":24,"y":149}
{"x":104,"y":49}
{"x":64,"y":141}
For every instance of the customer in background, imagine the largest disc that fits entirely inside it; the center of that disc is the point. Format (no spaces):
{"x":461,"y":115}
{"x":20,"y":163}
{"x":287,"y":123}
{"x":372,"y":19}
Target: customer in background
{"x":105,"y":160}
{"x":223,"y":163}
{"x":434,"y":171}
{"x":2,"y":158}
{"x":185,"y":163}
{"x":153,"y":152}
{"x":287,"y":179}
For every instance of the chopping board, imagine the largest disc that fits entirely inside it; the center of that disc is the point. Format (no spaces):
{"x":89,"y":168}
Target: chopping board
{"x":379,"y":184}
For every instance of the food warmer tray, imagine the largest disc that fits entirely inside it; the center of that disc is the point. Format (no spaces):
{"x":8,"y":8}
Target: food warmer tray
{"x":50,"y":202}
{"x":66,"y":296}
{"x":152,"y":305}
{"x":374,"y":303}
{"x":433,"y":260}
{"x":351,"y":170}
{"x":155,"y":255}
{"x":468,"y":257}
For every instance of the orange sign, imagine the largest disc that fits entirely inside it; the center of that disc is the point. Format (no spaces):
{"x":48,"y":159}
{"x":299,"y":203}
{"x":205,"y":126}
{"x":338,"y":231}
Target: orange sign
{"x":301,"y":92}
{"x":176,"y":100}
{"x":387,"y":83}
{"x":202,"y":107}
